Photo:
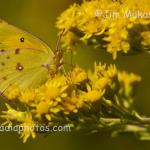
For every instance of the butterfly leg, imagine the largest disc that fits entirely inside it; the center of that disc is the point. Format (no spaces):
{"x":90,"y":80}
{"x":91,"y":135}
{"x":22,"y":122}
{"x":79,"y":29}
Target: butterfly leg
{"x":3,"y":95}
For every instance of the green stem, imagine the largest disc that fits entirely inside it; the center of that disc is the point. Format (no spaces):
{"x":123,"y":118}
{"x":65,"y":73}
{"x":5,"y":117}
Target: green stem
{"x":143,"y":120}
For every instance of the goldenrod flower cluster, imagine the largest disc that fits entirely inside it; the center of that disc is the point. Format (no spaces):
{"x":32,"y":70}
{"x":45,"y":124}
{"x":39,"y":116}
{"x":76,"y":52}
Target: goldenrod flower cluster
{"x":66,"y":95}
{"x":107,"y":24}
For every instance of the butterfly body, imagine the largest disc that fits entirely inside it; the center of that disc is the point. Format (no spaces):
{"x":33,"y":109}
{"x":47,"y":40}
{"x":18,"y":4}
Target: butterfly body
{"x":24,"y":59}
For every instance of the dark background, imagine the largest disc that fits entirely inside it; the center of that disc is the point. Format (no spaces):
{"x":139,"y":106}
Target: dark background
{"x":39,"y":17}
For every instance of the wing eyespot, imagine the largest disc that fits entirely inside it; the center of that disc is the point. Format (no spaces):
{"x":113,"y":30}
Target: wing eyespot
{"x":19,"y":67}
{"x":22,"y":39}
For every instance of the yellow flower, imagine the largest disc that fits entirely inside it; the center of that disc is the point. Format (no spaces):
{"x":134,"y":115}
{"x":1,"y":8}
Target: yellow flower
{"x":103,"y":71}
{"x":65,"y":95}
{"x":72,"y":104}
{"x":101,"y":83}
{"x":25,"y":118}
{"x":13,"y":115}
{"x":92,"y":23}
{"x":42,"y":107}
{"x":92,"y":95}
{"x":77,"y":75}
{"x":117,"y":38}
{"x":71,"y":40}
{"x":127,"y":80}
{"x":98,"y":20}
{"x":68,"y":19}
{"x":111,"y":71}
{"x":28,"y":95}
{"x":13,"y":92}
{"x":53,"y":88}
{"x":28,"y":128}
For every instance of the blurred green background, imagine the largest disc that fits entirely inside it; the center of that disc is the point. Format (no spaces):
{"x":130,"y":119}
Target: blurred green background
{"x":38,"y":17}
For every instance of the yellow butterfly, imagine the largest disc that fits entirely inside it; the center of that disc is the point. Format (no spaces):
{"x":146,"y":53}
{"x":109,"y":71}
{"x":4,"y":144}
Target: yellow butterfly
{"x":24,"y":59}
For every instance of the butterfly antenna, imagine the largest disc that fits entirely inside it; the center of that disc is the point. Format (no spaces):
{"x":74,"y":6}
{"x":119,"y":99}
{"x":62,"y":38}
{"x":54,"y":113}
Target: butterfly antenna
{"x":59,"y":53}
{"x":71,"y":59}
{"x":59,"y":40}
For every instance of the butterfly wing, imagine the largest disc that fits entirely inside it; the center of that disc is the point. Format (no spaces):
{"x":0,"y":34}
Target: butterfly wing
{"x":12,"y":38}
{"x":22,"y":57}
